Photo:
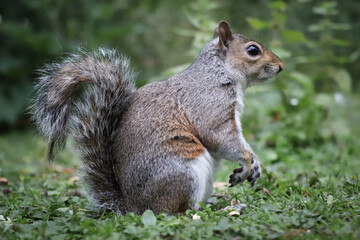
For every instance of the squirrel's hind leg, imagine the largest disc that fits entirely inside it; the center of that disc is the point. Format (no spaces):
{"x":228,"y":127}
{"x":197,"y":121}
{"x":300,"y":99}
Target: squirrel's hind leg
{"x":162,"y":185}
{"x":157,"y":188}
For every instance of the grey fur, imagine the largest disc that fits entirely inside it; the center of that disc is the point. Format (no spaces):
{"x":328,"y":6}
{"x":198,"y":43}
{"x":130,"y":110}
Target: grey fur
{"x":93,"y":119}
{"x":157,"y":147}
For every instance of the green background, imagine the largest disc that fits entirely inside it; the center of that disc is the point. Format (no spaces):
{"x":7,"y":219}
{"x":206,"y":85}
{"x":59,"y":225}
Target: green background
{"x":304,"y":126}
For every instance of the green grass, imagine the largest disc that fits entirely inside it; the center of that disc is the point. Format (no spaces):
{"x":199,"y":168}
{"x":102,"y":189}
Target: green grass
{"x":309,"y":199}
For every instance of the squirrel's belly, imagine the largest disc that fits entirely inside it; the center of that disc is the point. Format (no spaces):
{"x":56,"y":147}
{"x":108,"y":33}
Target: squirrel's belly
{"x":204,"y":169}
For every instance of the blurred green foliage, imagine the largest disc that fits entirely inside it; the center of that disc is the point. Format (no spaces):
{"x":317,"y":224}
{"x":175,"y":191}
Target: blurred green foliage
{"x":317,"y":40}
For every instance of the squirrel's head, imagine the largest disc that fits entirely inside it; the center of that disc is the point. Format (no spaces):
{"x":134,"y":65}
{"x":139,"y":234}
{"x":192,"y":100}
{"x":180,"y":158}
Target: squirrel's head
{"x":256,"y":63}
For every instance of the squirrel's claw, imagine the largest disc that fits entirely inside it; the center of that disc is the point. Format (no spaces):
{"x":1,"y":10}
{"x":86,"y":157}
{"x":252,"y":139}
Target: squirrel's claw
{"x":239,"y":175}
{"x":255,"y":170}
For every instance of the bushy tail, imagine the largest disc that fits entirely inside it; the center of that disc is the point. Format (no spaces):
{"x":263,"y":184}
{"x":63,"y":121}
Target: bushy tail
{"x":92,"y":120}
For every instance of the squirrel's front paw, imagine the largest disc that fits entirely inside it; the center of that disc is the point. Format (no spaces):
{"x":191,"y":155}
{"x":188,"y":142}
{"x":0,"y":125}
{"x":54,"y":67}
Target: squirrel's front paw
{"x":239,"y":175}
{"x":250,"y":171}
{"x":255,"y":169}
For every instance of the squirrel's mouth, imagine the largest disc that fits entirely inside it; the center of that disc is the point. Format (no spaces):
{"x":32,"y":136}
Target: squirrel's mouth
{"x":262,"y":80}
{"x":267,"y":79}
{"x":270,"y":79}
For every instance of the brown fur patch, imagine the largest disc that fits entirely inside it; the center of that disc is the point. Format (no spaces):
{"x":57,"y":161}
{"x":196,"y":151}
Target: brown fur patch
{"x":232,"y":116}
{"x":248,"y":160}
{"x":184,"y":144}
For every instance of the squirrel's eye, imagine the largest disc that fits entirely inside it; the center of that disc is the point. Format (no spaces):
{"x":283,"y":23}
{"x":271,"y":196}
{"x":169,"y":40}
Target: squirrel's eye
{"x":253,"y":50}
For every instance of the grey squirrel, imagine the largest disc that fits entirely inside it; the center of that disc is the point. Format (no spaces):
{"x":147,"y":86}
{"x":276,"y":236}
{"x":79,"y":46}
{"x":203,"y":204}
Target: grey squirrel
{"x":157,"y":147}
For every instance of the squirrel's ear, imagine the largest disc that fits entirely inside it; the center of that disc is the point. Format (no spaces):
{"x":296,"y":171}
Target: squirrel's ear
{"x":216,"y":32}
{"x":224,"y":33}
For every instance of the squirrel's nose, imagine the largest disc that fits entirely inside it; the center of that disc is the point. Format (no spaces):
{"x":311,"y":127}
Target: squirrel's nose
{"x":281,"y":67}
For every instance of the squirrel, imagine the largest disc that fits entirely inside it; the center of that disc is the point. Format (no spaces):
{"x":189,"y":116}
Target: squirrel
{"x":157,"y":147}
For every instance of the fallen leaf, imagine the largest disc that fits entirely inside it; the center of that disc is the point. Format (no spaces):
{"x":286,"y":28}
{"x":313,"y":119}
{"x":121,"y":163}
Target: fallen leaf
{"x":219,"y":184}
{"x":73,"y":179}
{"x":57,"y":168}
{"x":68,"y":170}
{"x":265,"y":190}
{"x":3,"y":181}
{"x":295,"y":233}
{"x":234,"y":202}
{"x":306,"y":194}
{"x":232,"y":213}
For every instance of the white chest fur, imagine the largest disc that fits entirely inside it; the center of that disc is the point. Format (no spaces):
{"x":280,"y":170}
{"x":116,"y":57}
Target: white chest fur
{"x":204,"y":169}
{"x":239,"y":108}
{"x":239,"y":104}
